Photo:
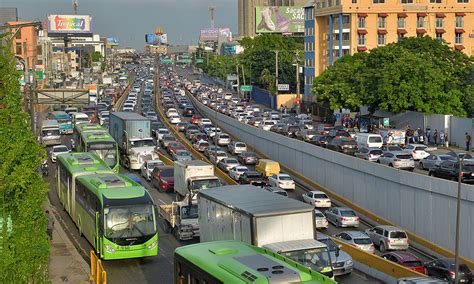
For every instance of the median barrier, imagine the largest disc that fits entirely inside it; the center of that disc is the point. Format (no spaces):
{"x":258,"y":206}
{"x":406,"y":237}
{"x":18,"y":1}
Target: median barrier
{"x":98,"y":273}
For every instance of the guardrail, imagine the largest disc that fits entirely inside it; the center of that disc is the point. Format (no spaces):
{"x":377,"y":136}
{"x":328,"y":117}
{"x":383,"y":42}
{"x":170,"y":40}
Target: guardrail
{"x":98,"y":273}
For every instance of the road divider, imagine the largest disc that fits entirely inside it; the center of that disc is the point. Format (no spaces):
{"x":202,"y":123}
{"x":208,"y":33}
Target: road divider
{"x":98,"y":273}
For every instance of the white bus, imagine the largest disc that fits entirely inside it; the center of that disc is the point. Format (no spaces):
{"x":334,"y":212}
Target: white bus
{"x":50,"y":134}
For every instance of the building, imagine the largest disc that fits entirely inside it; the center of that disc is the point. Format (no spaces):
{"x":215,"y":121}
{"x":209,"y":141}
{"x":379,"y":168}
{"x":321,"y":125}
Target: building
{"x":246,"y":13}
{"x":308,"y":51}
{"x":24,"y":42}
{"x":350,"y":26}
{"x":161,"y":49}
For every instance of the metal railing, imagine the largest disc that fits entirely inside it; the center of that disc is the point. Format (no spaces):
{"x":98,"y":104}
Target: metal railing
{"x":98,"y":273}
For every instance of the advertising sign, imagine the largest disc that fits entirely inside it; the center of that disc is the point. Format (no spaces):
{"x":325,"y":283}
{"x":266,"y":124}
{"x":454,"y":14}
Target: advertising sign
{"x":283,"y":87}
{"x":69,"y":25}
{"x":209,"y":34}
{"x":279,"y":19}
{"x":112,"y":41}
{"x":156,"y":39}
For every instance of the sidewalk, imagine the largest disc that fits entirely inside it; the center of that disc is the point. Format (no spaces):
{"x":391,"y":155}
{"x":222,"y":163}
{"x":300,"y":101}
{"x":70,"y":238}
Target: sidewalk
{"x":65,"y":263}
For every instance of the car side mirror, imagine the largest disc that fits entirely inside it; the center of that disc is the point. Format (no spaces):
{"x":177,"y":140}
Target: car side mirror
{"x":337,"y":251}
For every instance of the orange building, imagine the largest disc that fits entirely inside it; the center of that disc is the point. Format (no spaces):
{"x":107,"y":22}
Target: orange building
{"x":24,"y":42}
{"x":350,"y":26}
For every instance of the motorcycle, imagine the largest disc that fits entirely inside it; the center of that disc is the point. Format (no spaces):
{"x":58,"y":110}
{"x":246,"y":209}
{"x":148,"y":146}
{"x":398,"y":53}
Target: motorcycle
{"x":45,"y":168}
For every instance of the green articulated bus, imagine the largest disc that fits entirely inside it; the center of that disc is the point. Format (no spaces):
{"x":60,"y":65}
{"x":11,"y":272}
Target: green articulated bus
{"x":115,"y":214}
{"x":238,"y":262}
{"x":95,"y":138}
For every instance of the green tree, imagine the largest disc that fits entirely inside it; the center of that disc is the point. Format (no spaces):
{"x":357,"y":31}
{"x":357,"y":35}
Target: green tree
{"x":24,"y":247}
{"x":96,"y":56}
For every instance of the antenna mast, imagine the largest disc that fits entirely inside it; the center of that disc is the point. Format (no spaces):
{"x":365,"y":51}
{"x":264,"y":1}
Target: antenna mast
{"x":212,"y":9}
{"x":75,"y":4}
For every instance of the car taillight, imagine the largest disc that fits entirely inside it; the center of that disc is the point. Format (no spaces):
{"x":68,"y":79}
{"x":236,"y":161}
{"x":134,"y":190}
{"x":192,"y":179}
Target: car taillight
{"x":344,"y":219}
{"x":388,"y":241}
{"x":452,"y":273}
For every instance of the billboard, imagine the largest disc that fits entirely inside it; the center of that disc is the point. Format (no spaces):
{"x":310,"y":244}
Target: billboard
{"x":213,"y":34}
{"x":69,"y":25}
{"x":112,"y":41}
{"x":279,"y":19}
{"x":156,"y":39}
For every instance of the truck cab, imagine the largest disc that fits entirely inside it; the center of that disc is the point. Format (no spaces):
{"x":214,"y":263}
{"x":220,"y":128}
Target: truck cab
{"x":181,"y":218}
{"x":140,"y":150}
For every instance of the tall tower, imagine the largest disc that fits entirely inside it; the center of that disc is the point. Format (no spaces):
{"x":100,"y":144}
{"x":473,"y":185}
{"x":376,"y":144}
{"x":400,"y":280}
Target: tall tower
{"x":212,"y":9}
{"x":75,"y":4}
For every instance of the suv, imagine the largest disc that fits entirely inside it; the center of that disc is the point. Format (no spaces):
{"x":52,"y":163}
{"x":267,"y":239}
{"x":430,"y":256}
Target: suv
{"x":388,"y":238}
{"x":341,"y":261}
{"x":343,"y":145}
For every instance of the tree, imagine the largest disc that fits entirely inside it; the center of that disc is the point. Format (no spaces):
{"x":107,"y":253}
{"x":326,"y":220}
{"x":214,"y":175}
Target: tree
{"x":96,"y":56}
{"x":419,"y":74}
{"x":24,"y":247}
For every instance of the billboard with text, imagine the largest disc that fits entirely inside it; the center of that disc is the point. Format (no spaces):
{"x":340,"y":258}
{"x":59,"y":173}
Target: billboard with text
{"x":279,"y":19}
{"x":69,"y":25}
{"x":156,"y":39}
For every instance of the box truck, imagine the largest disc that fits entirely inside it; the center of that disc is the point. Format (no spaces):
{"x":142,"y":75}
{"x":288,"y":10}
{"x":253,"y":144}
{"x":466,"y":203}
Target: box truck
{"x":193,"y":176}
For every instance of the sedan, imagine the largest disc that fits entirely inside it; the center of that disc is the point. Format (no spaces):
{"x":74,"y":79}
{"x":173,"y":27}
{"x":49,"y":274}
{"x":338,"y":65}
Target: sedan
{"x":445,"y":269}
{"x":357,"y":239}
{"x":58,"y":150}
{"x":321,"y":221}
{"x":283,"y":181}
{"x":147,"y":168}
{"x":223,"y":139}
{"x":369,"y":154}
{"x":343,"y":145}
{"x":418,"y":151}
{"x":215,"y":157}
{"x":236,"y":147}
{"x":175,"y":119}
{"x":160,"y":132}
{"x":450,"y":170}
{"x":253,"y":178}
{"x":237,"y":171}
{"x":200,"y":145}
{"x":167,"y":139}
{"x":227,"y":163}
{"x":317,"y":198}
{"x":406,"y":259}
{"x":434,"y":160}
{"x":173,"y":147}
{"x":398,"y":160}
{"x":248,"y":158}
{"x":342,"y":217}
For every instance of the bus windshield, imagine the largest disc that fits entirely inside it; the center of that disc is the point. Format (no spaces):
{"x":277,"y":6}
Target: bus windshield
{"x":189,"y":212}
{"x":316,"y":259}
{"x":106,"y":151}
{"x":129,"y":221}
{"x":142,"y":143}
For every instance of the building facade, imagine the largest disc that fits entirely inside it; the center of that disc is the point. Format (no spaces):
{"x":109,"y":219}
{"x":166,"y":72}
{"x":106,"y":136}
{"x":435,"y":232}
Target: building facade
{"x":24,"y":42}
{"x":246,"y":13}
{"x":309,"y":44}
{"x":350,"y":26}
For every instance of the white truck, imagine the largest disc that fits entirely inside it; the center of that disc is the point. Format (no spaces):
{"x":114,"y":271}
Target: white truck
{"x":180,"y":218}
{"x":193,"y":176}
{"x":262,"y":218}
{"x":132,"y":133}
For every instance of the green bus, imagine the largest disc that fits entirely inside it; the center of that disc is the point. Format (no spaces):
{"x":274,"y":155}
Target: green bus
{"x":95,"y":138}
{"x":238,"y":262}
{"x":115,"y":214}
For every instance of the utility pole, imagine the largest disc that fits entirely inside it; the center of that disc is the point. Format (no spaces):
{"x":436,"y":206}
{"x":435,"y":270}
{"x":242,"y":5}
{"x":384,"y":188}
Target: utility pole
{"x":458,"y":220}
{"x":212,"y":9}
{"x":276,"y":72}
{"x":298,"y":77}
{"x":238,"y":80}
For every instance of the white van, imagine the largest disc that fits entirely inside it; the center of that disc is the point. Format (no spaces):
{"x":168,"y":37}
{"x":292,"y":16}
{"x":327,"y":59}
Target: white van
{"x":79,"y":118}
{"x":369,"y":140}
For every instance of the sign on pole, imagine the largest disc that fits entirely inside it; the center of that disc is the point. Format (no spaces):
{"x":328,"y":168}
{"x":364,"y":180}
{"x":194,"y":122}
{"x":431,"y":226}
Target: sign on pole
{"x":386,"y":121}
{"x":245,"y":88}
{"x":166,"y":60}
{"x":283,"y":87}
{"x":199,"y":60}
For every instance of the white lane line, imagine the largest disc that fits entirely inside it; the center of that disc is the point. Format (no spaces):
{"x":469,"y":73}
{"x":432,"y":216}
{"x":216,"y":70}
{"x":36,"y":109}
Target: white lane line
{"x":162,"y":202}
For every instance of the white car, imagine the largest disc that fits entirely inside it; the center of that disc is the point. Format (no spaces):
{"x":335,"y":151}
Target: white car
{"x":175,"y":119}
{"x":267,"y":124}
{"x":103,"y":117}
{"x":223,"y":139}
{"x":203,"y":122}
{"x":235,"y":172}
{"x":217,"y":156}
{"x":58,"y":150}
{"x":170,"y":112}
{"x":417,"y":151}
{"x":236,"y":147}
{"x":317,"y":198}
{"x":147,"y":168}
{"x":399,"y":160}
{"x":321,"y":221}
{"x":160,"y":132}
{"x":283,"y":181}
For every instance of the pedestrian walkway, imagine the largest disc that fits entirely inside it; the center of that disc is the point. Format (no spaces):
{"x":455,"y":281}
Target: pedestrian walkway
{"x":65,"y":263}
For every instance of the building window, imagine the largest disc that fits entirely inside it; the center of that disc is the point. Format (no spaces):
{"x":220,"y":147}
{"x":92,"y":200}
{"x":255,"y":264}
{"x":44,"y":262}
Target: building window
{"x":345,"y":19}
{"x":361,"y":23}
{"x":439,"y":36}
{"x":420,"y":22}
{"x":18,"y":48}
{"x":401,"y":23}
{"x":338,"y":2}
{"x":400,"y":36}
{"x":435,"y":1}
{"x":458,"y":39}
{"x":39,"y":50}
{"x":330,"y":3}
{"x":382,"y":23}
{"x":439,"y":23}
{"x":463,"y":1}
{"x":378,"y":1}
{"x":406,"y":1}
{"x":381,"y":39}
{"x":459,"y":22}
{"x":323,"y":4}
{"x":18,"y":34}
{"x":361,"y":39}
{"x":354,"y":1}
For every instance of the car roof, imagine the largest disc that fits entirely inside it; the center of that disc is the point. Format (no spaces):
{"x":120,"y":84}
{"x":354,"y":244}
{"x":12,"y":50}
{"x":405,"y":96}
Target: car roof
{"x":317,"y":191}
{"x":356,"y":234}
{"x":404,"y":256}
{"x":389,"y":228}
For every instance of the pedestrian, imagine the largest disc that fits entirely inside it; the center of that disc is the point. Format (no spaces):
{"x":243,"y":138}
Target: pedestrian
{"x":446,"y":140}
{"x":468,"y":141}
{"x":390,"y":138}
{"x":435,"y":137}
{"x":441,"y":138}
{"x":428,"y":135}
{"x":50,"y":227}
{"x":415,"y":136}
{"x":281,"y":108}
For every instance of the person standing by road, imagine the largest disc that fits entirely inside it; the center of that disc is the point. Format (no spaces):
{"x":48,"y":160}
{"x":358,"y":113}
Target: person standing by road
{"x":441,"y":138}
{"x":435,"y":137}
{"x":468,"y":141}
{"x":446,"y":141}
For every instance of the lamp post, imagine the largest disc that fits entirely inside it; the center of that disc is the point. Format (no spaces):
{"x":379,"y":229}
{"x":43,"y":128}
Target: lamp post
{"x":458,"y":219}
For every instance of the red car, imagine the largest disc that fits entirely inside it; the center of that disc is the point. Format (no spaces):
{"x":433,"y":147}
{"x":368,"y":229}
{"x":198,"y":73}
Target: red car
{"x":173,"y":147}
{"x":195,"y":119}
{"x":406,"y":259}
{"x":162,"y":178}
{"x":199,"y":136}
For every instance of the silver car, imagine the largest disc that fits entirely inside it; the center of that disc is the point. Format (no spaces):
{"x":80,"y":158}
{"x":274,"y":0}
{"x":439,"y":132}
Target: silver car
{"x":236,"y":147}
{"x":181,"y":155}
{"x":227,"y":163}
{"x":398,"y":160}
{"x":217,"y":156}
{"x":223,"y":139}
{"x":321,"y":221}
{"x":434,"y":160}
{"x":369,"y":154}
{"x":357,"y":239}
{"x":342,"y":262}
{"x":388,"y":238}
{"x":342,"y":217}
{"x":58,"y":150}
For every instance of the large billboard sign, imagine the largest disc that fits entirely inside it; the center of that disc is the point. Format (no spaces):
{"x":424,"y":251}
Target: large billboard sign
{"x":279,"y":19}
{"x":69,"y":25}
{"x":113,"y":41}
{"x":156,"y":39}
{"x":213,"y":34}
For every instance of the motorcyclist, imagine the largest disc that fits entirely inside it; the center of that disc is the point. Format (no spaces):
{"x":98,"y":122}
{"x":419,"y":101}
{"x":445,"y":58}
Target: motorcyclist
{"x":45,"y":168}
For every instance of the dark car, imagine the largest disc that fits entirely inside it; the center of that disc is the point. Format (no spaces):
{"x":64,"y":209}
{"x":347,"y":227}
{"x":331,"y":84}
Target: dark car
{"x":450,"y":170}
{"x":291,"y":130}
{"x":320,"y":140}
{"x":247,"y":158}
{"x":343,"y":145}
{"x":162,"y":178}
{"x":338,"y":133}
{"x":188,"y":112}
{"x":445,"y":269}
{"x":181,"y":126}
{"x":253,"y":178}
{"x":277,"y":128}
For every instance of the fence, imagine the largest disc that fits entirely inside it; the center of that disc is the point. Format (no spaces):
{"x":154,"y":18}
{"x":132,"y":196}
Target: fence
{"x":98,"y":273}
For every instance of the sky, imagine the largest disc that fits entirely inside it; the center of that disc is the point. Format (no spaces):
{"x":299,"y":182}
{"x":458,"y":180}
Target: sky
{"x":130,"y":20}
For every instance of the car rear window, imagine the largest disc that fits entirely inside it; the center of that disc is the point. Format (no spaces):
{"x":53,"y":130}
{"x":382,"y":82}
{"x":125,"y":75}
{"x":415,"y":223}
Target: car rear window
{"x":320,"y":196}
{"x":348,"y":213}
{"x":239,"y":145}
{"x":319,"y":214}
{"x":375,"y":139}
{"x":376,"y":152}
{"x":343,"y":134}
{"x":413,"y":263}
{"x":363,"y":241}
{"x":349,"y":142}
{"x":398,"y":235}
{"x":285,"y":178}
{"x":404,"y":157}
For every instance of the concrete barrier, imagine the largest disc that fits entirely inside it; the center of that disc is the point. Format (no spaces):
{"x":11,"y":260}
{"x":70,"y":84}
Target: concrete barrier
{"x":424,"y":206}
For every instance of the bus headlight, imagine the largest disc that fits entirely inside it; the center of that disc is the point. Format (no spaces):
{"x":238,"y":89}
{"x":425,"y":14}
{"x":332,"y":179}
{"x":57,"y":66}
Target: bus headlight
{"x":109,"y":249}
{"x":152,"y":245}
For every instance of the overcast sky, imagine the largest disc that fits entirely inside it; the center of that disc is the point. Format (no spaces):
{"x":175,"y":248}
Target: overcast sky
{"x":130,"y":20}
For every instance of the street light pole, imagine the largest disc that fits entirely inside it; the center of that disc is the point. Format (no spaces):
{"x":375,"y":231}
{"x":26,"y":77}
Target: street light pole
{"x":458,"y":221}
{"x":276,"y":71}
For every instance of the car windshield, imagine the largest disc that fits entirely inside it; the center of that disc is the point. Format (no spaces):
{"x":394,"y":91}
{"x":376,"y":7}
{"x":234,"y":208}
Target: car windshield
{"x":316,"y":259}
{"x":231,"y":161}
{"x":398,"y":235}
{"x":254,"y":175}
{"x":330,"y":244}
{"x":142,"y":143}
{"x":375,"y":139}
{"x":348,"y":213}
{"x":60,"y":149}
{"x":285,"y":178}
{"x":189,"y":212}
{"x":152,"y":165}
{"x":239,"y":145}
{"x":376,"y":152}
{"x":394,"y":148}
{"x":106,"y":151}
{"x":167,"y":173}
{"x":319,"y":214}
{"x":250,"y":154}
{"x":51,"y":132}
{"x":362,"y":241}
{"x":182,"y":153}
{"x":129,"y":221}
{"x":445,"y":158}
{"x":205,"y":184}
{"x":420,"y":148}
